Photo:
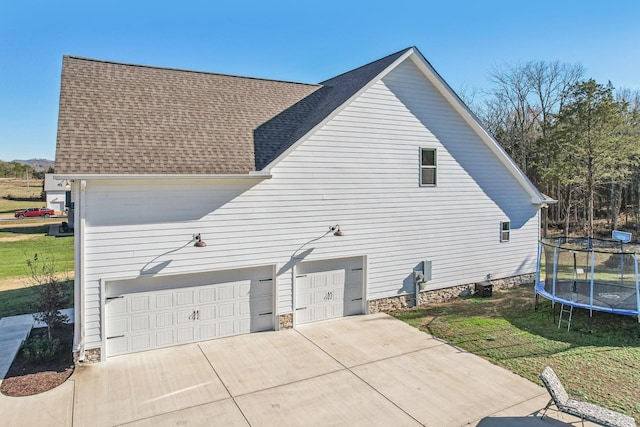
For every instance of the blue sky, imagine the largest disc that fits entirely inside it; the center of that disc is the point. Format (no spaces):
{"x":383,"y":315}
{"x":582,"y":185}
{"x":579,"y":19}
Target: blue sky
{"x":306,"y":41}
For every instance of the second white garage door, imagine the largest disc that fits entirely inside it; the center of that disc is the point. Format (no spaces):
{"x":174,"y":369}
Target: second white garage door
{"x":329,"y":288}
{"x":233,"y":302}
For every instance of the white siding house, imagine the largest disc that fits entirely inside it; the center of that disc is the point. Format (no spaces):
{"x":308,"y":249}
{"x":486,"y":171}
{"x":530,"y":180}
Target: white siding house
{"x":56,"y":193}
{"x":345,"y":155}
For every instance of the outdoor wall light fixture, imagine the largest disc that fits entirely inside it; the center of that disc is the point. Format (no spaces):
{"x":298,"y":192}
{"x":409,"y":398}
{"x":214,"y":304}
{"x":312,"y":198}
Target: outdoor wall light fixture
{"x":199,"y":242}
{"x":67,"y":185}
{"x":336,"y":230}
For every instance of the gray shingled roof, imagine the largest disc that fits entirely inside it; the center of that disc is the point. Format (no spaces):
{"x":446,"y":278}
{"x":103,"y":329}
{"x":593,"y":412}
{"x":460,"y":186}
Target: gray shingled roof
{"x":275,"y":136}
{"x":129,"y":119}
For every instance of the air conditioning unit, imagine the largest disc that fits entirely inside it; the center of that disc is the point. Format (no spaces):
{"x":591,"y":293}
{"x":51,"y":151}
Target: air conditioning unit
{"x":484,"y":289}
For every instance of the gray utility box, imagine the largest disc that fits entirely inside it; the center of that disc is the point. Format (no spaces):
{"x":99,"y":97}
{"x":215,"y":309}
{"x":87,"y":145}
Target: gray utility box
{"x":484,"y":289}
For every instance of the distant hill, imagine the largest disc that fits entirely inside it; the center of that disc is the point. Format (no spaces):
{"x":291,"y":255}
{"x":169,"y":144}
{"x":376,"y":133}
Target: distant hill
{"x":38,"y":165}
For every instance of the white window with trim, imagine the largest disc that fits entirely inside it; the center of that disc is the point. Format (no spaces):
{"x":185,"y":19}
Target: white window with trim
{"x":428,"y":167}
{"x":505,"y":231}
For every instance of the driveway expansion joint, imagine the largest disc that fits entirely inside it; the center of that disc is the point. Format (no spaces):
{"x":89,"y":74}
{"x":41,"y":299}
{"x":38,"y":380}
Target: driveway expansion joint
{"x":224,"y":385}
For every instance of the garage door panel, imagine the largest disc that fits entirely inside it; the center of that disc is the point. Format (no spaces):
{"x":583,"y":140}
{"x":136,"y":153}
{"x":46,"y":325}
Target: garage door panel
{"x":117,"y":305}
{"x":207,"y":313}
{"x":118,"y":326}
{"x":140,"y":323}
{"x":164,"y":320}
{"x":261,"y":288}
{"x":226,"y":292}
{"x":243,"y":308}
{"x":139,"y":303}
{"x":206,"y":295}
{"x":208,"y":331}
{"x":164,"y":338}
{"x":165,"y":317}
{"x":185,"y":335}
{"x":351,"y":309}
{"x":226,"y":310}
{"x":118,"y":345}
{"x":329,"y":288}
{"x":185,"y":298}
{"x":261,"y":323}
{"x":164,"y":301}
{"x":140,"y":342}
{"x":244,"y":289}
{"x":226,"y":328}
{"x":185,"y":315}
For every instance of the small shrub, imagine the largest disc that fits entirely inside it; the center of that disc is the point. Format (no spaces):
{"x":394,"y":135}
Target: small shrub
{"x":51,"y":297}
{"x":41,"y":348}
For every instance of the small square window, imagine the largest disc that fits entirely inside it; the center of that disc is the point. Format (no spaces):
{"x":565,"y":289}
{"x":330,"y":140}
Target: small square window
{"x":428,"y":166}
{"x":505,"y":231}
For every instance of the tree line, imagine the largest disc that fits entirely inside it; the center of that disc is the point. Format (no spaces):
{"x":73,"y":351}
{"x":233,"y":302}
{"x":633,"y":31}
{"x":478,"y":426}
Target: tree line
{"x":20,"y":171}
{"x":576,"y":139}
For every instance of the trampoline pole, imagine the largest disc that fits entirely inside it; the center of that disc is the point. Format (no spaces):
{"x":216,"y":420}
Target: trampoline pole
{"x":635,"y":265}
{"x":555,"y":273}
{"x":538,"y":264}
{"x":621,"y":263}
{"x":574,"y":289}
{"x":586,"y":269}
{"x":593,"y":261}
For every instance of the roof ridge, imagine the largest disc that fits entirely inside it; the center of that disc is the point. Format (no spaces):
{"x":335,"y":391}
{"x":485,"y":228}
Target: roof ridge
{"x":183,"y":70}
{"x":368,"y":64}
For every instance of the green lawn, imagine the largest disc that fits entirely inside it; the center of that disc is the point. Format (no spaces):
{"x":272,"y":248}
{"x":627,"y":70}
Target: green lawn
{"x":9,"y":207}
{"x":18,"y":244}
{"x":25,"y":300}
{"x":597,"y":359}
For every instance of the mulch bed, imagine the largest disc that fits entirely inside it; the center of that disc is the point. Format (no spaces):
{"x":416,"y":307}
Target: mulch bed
{"x":26,"y":378}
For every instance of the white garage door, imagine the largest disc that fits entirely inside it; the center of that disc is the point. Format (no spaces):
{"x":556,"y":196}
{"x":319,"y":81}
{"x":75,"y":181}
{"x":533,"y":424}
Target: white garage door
{"x":138,"y":321}
{"x":328,"y":289}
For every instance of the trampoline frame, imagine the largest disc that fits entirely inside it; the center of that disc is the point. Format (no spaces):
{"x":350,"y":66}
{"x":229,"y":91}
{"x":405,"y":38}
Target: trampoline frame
{"x":540,"y":285}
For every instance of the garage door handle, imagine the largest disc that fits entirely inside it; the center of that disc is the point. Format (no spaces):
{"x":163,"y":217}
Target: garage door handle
{"x":115,"y":336}
{"x":357,"y":299}
{"x":110,"y":298}
{"x":301,"y":308}
{"x":264,"y":314}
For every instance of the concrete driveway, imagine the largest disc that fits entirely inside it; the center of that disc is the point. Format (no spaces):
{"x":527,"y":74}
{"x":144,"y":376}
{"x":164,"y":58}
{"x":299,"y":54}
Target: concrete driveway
{"x":357,"y":371}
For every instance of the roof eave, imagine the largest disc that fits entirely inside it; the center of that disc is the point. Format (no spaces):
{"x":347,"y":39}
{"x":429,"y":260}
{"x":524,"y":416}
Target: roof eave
{"x":137,"y":177}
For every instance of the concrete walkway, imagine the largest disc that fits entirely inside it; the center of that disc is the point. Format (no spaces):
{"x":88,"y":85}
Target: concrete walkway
{"x":357,"y":371}
{"x":14,"y":330}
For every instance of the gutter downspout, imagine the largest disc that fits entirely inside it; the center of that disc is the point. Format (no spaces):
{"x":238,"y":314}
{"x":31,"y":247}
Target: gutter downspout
{"x":635,"y":258}
{"x":78,"y":283}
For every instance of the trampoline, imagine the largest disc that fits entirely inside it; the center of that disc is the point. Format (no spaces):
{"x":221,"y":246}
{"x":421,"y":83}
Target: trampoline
{"x":594,"y":274}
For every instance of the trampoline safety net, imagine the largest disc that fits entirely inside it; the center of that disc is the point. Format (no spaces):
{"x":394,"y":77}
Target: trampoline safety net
{"x":595,"y":274}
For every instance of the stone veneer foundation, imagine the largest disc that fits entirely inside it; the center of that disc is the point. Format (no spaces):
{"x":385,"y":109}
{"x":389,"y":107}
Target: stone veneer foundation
{"x":443,"y":295}
{"x":92,"y":355}
{"x":285,"y":321}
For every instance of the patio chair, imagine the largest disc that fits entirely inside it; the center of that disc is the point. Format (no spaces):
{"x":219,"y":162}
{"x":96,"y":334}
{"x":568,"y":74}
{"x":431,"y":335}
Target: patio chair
{"x":584,"y":410}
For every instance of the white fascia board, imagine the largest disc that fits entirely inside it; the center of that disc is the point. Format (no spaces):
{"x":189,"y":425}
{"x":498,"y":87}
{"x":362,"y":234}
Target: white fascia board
{"x":112,"y":177}
{"x":274,"y":162}
{"x":470,"y":118}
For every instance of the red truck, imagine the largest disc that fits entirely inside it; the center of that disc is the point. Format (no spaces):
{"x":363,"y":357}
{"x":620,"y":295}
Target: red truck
{"x":33,"y":212}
